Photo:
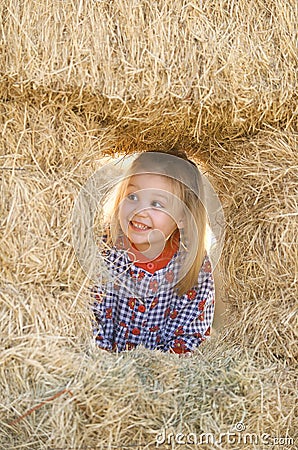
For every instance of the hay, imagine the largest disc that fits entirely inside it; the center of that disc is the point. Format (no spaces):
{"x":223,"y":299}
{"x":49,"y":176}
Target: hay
{"x":258,"y":181}
{"x":129,"y":400}
{"x":81,"y":80}
{"x":171,"y":67}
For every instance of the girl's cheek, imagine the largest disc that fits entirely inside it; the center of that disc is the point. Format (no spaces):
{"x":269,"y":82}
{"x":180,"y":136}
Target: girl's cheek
{"x":123,"y":218}
{"x":163,"y":216}
{"x":156,"y":216}
{"x":125,"y":209}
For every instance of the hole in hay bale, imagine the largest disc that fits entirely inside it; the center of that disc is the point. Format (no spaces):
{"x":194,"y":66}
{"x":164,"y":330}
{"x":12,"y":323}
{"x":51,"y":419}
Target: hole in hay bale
{"x":106,"y":177}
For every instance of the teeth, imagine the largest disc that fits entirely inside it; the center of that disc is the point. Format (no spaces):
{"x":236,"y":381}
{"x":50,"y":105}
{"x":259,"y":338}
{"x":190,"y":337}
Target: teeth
{"x":138,"y":225}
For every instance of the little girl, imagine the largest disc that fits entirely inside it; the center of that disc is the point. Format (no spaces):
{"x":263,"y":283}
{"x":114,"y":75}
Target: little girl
{"x":160,"y":288}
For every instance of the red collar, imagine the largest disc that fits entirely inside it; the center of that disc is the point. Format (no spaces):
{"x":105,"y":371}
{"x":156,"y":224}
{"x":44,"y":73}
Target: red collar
{"x":161,"y":261}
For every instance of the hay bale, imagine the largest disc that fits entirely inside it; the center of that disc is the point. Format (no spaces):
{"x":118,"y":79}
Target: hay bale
{"x":223,"y":89}
{"x":257,"y":178}
{"x":197,"y":68}
{"x":49,"y":368}
{"x":74,"y":399}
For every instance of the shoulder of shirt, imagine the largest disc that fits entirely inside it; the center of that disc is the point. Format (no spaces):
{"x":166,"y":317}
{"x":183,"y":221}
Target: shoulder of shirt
{"x":206,"y":270}
{"x":106,"y":234}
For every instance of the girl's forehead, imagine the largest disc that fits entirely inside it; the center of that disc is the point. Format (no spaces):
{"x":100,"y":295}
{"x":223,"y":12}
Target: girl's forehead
{"x":150,"y":181}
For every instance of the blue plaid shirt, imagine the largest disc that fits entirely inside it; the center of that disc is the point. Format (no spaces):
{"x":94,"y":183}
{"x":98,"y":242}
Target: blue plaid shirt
{"x":137,"y":307}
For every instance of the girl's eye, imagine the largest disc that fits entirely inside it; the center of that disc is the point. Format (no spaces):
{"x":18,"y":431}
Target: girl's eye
{"x":132,"y":197}
{"x":156,"y":204}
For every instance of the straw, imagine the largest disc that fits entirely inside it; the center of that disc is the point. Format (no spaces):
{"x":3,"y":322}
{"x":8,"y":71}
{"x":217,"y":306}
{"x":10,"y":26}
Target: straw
{"x":83,"y":83}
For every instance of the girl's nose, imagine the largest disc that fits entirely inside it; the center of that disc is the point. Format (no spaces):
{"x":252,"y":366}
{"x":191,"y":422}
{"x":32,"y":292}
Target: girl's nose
{"x":141,"y":212}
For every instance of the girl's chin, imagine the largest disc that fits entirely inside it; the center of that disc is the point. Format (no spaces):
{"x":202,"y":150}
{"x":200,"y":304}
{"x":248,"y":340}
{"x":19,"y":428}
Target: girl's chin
{"x":141,"y":246}
{"x":153,"y":248}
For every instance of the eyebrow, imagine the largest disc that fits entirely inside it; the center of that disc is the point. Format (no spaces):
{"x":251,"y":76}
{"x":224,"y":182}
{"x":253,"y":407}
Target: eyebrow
{"x":157,"y":194}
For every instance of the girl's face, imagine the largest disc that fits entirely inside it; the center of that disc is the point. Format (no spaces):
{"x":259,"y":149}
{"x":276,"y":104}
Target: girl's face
{"x":147,"y":214}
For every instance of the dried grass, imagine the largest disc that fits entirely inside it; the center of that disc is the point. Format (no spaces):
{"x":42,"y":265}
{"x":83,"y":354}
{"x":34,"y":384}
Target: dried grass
{"x":80,"y":80}
{"x":89,"y":399}
{"x":199,"y":68}
{"x":258,"y":181}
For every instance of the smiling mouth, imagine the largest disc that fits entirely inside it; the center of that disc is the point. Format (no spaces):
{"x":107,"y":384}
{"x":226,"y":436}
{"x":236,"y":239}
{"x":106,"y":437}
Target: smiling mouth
{"x":138,"y":226}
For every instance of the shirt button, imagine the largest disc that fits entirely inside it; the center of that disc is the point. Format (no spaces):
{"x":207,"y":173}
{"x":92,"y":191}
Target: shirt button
{"x":150,"y":266}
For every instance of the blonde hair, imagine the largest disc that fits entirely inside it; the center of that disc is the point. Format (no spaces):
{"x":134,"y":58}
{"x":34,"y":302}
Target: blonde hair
{"x":188,"y":187}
